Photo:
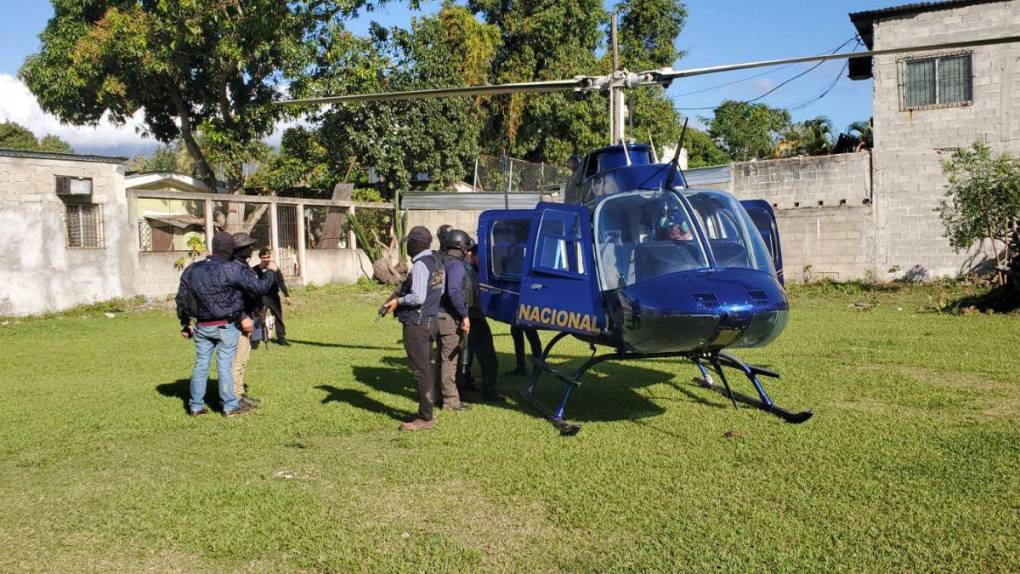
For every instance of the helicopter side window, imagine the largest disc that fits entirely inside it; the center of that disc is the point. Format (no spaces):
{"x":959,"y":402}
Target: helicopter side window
{"x":508,"y":247}
{"x":732,"y":236}
{"x":559,"y":244}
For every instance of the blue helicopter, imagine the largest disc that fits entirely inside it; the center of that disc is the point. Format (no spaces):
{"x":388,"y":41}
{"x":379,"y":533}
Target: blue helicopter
{"x":638,"y":262}
{"x":634,"y":260}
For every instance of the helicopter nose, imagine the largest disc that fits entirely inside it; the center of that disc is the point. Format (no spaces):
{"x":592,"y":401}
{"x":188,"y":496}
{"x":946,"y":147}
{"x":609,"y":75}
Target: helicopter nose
{"x":698,"y":312}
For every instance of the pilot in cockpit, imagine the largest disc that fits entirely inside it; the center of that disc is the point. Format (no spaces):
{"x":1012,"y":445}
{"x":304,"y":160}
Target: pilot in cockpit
{"x":674,"y":227}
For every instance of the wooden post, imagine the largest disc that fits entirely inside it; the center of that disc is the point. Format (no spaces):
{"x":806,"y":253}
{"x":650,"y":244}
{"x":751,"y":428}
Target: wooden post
{"x":210,"y":224}
{"x":274,"y":230}
{"x":352,"y":240}
{"x":301,"y":255}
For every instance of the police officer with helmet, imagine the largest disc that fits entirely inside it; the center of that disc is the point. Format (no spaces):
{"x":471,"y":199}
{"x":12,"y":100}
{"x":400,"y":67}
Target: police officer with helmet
{"x":454,"y":323}
{"x":416,"y":306}
{"x":211,"y":292}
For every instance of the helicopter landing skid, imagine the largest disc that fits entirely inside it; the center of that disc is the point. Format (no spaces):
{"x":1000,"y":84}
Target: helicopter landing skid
{"x":717,"y":360}
{"x":763,"y":402}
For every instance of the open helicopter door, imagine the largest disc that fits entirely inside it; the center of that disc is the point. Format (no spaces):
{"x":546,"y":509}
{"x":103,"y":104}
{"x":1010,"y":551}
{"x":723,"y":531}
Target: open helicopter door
{"x":765,"y":220}
{"x":560,"y":289}
{"x":502,"y":251}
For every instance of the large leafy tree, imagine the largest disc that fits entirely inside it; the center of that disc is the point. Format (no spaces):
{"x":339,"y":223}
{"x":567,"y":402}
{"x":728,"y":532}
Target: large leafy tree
{"x":702,"y":151}
{"x":747,"y":131}
{"x":982,"y":203}
{"x":548,"y":40}
{"x":408,"y":143}
{"x":16,"y":136}
{"x":209,"y":67}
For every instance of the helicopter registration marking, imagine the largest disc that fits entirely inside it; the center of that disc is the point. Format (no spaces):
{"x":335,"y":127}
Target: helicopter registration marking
{"x":558,"y":318}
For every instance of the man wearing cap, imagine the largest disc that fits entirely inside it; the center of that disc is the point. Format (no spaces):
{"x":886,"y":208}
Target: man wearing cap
{"x":210,"y":291}
{"x":416,"y":306}
{"x":244,"y":246}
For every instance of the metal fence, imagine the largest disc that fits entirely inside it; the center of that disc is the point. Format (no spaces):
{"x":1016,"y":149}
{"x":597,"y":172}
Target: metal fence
{"x":288,"y":226}
{"x":499,"y":174}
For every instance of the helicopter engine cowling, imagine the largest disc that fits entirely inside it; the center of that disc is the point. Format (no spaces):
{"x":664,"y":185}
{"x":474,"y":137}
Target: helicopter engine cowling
{"x":699,"y":311}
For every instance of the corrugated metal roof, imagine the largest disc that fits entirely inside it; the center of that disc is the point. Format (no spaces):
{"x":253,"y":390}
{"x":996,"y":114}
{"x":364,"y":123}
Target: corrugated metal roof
{"x":707,"y":175}
{"x":480,"y":201}
{"x":61,"y":156}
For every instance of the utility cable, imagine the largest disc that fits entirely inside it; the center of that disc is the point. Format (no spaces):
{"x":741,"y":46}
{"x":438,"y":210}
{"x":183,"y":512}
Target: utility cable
{"x":784,"y":82}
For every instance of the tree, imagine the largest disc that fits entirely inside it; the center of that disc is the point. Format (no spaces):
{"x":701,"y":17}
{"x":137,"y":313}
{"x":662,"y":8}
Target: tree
{"x":172,"y":157}
{"x":203,"y":66}
{"x":982,"y":202}
{"x":810,"y":137}
{"x":424,"y":142}
{"x":862,"y":132}
{"x":702,"y":151}
{"x":16,"y":136}
{"x":747,"y":131}
{"x":544,"y":41}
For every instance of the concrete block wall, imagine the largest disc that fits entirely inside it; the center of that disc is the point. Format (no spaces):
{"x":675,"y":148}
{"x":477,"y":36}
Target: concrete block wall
{"x":822,"y":181}
{"x":40,"y":273}
{"x":824,"y":209}
{"x":910,"y":145}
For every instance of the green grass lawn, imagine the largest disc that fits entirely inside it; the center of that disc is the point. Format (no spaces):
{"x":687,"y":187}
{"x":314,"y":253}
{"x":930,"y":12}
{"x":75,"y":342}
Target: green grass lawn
{"x":912,"y":461}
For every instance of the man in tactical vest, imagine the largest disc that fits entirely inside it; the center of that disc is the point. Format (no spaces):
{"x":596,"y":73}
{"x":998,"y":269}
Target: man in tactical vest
{"x":416,"y":306}
{"x":210,"y":291}
{"x":480,"y":337}
{"x":454,"y":324}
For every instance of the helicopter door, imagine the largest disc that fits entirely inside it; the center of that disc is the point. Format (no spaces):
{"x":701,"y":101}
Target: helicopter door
{"x":765,"y":220}
{"x":559,"y":290}
{"x":502,"y":250}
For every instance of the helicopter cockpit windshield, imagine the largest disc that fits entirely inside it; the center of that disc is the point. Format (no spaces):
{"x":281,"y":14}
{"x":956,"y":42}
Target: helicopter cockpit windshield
{"x":732,"y":235}
{"x":645,"y":234}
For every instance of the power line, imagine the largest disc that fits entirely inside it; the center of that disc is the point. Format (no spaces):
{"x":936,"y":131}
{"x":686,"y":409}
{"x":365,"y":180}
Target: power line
{"x":824,"y":93}
{"x":727,"y":84}
{"x":784,"y":82}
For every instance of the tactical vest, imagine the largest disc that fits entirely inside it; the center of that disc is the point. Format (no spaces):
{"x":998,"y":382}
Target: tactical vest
{"x":433,"y":293}
{"x":467,"y":287}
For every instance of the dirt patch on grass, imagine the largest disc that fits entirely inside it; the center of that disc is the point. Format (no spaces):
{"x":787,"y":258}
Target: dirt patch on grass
{"x":27,"y":550}
{"x":508,"y":538}
{"x":994,"y":398}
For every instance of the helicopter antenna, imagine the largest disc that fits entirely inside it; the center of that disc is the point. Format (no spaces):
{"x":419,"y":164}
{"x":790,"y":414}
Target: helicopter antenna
{"x":676,"y":157}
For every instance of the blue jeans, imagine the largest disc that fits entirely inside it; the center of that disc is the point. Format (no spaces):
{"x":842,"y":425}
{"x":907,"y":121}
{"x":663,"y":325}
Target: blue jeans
{"x":223,"y":340}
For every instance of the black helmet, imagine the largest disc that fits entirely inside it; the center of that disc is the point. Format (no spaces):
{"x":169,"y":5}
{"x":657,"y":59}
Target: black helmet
{"x":456,"y":239}
{"x":441,"y":233}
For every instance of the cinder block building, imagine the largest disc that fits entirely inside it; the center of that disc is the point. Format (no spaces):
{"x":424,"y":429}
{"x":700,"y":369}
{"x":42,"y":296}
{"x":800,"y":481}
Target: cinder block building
{"x":926,"y":105}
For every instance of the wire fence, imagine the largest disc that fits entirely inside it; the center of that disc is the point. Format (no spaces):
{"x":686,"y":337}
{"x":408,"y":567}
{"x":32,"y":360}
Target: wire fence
{"x":499,"y":174}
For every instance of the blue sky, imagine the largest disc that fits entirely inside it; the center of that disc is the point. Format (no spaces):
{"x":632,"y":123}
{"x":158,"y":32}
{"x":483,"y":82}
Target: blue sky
{"x":717,"y":32}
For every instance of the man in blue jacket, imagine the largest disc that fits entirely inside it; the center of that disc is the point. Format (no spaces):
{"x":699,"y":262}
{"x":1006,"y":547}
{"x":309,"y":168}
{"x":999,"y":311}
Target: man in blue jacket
{"x":210,"y":291}
{"x":453,"y":321}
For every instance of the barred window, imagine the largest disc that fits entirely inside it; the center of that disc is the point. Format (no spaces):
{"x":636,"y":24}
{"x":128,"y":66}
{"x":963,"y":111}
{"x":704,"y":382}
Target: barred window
{"x":936,"y":82}
{"x":84,"y":223}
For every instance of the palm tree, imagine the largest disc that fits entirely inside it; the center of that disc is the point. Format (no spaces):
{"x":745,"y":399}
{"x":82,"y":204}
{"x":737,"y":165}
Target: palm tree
{"x":861,"y":132}
{"x":810,"y":137}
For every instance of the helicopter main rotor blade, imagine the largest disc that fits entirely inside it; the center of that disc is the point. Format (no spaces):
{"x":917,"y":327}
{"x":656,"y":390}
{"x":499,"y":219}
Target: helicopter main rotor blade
{"x":666,"y":75}
{"x":660,"y":77}
{"x":576,"y":84}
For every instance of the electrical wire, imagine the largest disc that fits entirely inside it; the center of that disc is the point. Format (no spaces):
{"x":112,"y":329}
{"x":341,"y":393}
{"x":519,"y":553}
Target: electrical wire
{"x":784,"y":82}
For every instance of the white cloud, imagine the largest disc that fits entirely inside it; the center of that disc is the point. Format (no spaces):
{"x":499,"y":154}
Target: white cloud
{"x":19,"y":105}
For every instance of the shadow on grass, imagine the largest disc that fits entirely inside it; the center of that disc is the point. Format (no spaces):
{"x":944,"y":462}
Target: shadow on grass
{"x":342,"y":345}
{"x":1002,"y":299}
{"x":609,"y":392}
{"x":181,"y":389}
{"x":361,"y":400}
